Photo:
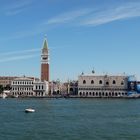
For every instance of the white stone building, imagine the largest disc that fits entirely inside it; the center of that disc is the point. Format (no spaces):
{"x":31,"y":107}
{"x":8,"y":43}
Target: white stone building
{"x":28,"y":87}
{"x":102,"y":86}
{"x":40,"y":88}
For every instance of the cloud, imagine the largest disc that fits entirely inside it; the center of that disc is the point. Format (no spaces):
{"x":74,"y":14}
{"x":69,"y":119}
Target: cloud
{"x":44,"y":26}
{"x":69,"y":16}
{"x":19,"y":52}
{"x":129,"y":10}
{"x":33,"y":31}
{"x":21,"y":55}
{"x":102,"y":15}
{"x":14,"y":12}
{"x":81,"y":17}
{"x":14,"y":58}
{"x":18,"y":55}
{"x":17,"y":7}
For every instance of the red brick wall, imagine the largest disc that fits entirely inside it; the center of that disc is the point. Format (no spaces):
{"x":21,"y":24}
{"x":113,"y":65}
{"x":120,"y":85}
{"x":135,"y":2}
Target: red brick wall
{"x":44,"y":72}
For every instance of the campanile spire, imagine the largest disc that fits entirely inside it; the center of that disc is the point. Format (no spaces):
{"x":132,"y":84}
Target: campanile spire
{"x":45,"y":62}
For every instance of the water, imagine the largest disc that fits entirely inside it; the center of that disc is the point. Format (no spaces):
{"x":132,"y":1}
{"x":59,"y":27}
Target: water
{"x":70,"y":119}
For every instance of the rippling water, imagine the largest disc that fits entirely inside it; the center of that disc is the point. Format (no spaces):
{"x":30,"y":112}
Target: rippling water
{"x":70,"y":119}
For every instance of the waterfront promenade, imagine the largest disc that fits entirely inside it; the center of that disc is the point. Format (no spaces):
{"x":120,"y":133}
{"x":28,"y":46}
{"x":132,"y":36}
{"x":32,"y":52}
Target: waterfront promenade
{"x":67,"y":96}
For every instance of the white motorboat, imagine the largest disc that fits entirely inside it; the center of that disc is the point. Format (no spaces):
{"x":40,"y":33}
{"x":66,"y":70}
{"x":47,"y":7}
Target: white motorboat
{"x":3,"y":96}
{"x":29,"y":110}
{"x":16,"y":96}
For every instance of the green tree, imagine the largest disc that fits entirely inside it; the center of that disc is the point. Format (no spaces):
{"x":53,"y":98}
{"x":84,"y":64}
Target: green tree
{"x":1,"y":89}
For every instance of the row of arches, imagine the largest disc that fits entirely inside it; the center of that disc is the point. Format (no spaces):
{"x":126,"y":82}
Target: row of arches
{"x":101,"y":82}
{"x":22,"y":88}
{"x":39,"y":94}
{"x":39,"y":87}
{"x":28,"y":94}
{"x":23,"y":93}
{"x":102,"y":94}
{"x":22,"y":82}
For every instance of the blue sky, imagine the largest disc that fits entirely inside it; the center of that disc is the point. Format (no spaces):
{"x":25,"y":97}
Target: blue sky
{"x":81,"y":34}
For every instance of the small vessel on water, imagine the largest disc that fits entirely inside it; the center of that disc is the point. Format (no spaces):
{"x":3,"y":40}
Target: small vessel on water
{"x":29,"y":110}
{"x":16,"y":96}
{"x":3,"y":96}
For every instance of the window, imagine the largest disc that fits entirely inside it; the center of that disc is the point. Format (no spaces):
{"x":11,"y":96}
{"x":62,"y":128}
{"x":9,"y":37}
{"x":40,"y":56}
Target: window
{"x":122,"y":83}
{"x":112,"y":93}
{"x":100,"y":82}
{"x":96,"y":93}
{"x":107,"y":83}
{"x":92,"y":82}
{"x":114,"y":82}
{"x":84,"y":81}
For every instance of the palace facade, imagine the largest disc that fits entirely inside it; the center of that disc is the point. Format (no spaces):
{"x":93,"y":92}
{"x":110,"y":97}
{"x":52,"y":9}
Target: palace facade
{"x":102,"y":86}
{"x":27,"y":87}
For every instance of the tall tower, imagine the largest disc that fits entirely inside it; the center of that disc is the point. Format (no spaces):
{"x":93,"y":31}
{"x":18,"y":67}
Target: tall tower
{"x":45,"y":62}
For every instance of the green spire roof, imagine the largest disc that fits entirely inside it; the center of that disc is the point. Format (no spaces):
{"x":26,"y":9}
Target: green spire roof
{"x":45,"y":44}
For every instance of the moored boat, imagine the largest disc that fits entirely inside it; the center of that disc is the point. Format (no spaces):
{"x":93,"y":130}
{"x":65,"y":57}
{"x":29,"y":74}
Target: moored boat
{"x":3,"y":96}
{"x":29,"y":110}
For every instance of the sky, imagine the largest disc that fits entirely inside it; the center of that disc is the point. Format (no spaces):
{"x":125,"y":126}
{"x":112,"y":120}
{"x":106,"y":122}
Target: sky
{"x":82,"y":35}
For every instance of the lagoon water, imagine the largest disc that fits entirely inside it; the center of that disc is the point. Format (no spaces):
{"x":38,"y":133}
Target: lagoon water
{"x":70,"y":119}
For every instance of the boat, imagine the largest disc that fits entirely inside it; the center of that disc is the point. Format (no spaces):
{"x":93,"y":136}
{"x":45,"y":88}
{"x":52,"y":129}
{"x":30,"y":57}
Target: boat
{"x":16,"y":96}
{"x":3,"y":96}
{"x":29,"y":110}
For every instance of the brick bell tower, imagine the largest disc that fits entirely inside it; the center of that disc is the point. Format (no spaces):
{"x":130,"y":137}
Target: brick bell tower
{"x":45,"y":62}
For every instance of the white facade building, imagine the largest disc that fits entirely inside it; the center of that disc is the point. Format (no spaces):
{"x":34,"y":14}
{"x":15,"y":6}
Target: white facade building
{"x":102,"y":86}
{"x":41,"y":88}
{"x":28,"y":87}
